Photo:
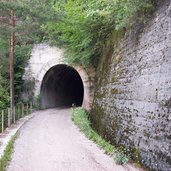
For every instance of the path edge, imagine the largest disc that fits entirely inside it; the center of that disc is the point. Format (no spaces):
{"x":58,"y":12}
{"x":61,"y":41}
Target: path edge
{"x":6,"y":137}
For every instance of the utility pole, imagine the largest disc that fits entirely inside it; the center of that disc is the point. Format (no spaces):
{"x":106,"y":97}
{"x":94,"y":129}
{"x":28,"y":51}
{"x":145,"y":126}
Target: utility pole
{"x":12,"y":46}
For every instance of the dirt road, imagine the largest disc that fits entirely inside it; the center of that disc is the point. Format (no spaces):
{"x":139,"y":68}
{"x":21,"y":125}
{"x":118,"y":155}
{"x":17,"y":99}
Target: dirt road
{"x":51,"y":142}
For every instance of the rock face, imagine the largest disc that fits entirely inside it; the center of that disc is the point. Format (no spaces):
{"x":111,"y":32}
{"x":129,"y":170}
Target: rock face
{"x":132,"y":104}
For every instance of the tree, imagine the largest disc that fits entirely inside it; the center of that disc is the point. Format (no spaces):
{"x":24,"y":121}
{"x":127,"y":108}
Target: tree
{"x":11,"y":25}
{"x":22,"y":29}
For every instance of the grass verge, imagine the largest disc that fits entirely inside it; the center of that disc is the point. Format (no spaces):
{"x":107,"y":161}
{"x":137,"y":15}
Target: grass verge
{"x":7,"y":154}
{"x":81,"y":119}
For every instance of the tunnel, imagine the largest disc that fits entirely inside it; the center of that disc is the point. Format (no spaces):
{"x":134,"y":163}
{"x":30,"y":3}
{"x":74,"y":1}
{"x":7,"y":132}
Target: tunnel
{"x":61,"y":86}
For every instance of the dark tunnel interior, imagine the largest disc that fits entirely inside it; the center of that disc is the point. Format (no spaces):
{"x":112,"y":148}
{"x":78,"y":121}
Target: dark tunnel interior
{"x":62,"y":86}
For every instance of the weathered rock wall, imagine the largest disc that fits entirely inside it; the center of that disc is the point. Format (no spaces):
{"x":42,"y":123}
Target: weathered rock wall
{"x":132,"y":104}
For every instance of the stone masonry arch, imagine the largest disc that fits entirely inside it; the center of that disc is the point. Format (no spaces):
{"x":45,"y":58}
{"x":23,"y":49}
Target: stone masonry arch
{"x":43,"y":58}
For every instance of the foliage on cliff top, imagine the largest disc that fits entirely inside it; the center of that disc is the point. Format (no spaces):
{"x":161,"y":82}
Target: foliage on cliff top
{"x":86,"y":25}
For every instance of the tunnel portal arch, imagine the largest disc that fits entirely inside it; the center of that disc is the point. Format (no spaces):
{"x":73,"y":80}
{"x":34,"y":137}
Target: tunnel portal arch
{"x":43,"y":59}
{"x":61,"y":86}
{"x":87,"y":82}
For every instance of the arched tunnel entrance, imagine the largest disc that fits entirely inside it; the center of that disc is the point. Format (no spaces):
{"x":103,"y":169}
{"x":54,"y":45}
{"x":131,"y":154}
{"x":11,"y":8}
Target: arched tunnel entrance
{"x":62,"y":86}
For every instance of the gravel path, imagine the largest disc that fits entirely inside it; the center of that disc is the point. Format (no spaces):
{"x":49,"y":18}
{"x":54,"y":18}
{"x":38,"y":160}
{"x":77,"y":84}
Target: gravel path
{"x":51,"y":142}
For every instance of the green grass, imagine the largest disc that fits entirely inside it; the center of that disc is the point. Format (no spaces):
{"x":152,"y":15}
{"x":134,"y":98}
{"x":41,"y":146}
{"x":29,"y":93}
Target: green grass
{"x":7,"y":154}
{"x":81,"y":119}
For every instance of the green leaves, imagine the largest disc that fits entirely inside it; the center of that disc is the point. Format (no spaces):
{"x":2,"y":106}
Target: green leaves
{"x":3,"y":46}
{"x":29,"y":15}
{"x":85,"y":26}
{"x":129,"y":12}
{"x":22,"y":54}
{"x":4,"y":95}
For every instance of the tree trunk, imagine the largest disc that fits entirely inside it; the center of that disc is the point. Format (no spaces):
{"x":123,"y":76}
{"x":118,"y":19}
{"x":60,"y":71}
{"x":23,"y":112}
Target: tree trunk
{"x":12,"y":46}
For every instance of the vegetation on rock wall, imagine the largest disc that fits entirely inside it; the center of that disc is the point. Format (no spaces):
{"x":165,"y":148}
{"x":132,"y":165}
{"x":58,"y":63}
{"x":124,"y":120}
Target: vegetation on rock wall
{"x":85,"y":26}
{"x":81,"y":118}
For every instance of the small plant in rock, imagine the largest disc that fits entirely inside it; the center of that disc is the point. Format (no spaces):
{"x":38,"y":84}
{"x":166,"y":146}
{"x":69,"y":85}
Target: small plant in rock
{"x":36,"y":103}
{"x":121,"y":158}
